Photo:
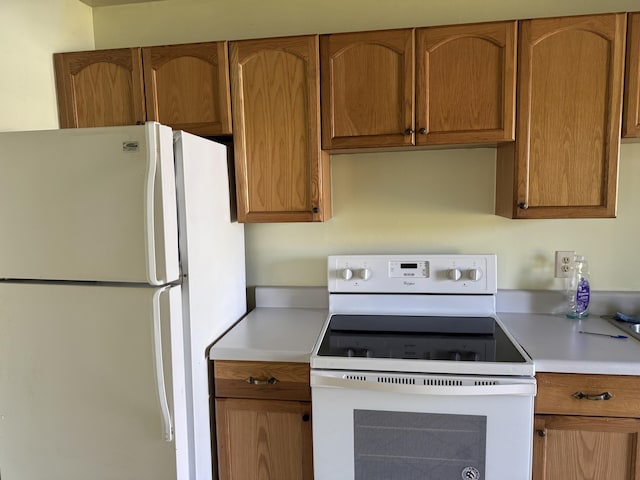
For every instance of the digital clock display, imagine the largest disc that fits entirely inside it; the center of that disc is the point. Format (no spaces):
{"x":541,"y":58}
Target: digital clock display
{"x":400,"y":269}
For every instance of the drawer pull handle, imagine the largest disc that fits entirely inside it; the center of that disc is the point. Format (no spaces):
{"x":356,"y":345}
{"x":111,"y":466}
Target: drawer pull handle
{"x":255,"y":381}
{"x":601,"y":396}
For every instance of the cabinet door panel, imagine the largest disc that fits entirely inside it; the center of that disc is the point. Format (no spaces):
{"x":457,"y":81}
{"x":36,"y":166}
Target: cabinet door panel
{"x":100,"y":88}
{"x":631,"y":120}
{"x":466,"y":83}
{"x":367,"y":89}
{"x":560,"y":142}
{"x":264,"y":439}
{"x":569,"y":119}
{"x":187,"y":87}
{"x":585,"y":448}
{"x":282,"y":174}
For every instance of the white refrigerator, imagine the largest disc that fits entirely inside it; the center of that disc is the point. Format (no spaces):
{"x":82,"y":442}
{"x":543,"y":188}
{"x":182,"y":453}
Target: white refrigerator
{"x":120,"y":263}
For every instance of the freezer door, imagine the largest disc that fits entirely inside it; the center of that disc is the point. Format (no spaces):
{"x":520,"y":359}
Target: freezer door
{"x":94,"y":204}
{"x":212,"y":253}
{"x":79,"y":378}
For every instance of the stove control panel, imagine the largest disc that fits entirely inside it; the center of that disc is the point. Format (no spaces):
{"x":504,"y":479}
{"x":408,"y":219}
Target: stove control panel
{"x":455,"y":274}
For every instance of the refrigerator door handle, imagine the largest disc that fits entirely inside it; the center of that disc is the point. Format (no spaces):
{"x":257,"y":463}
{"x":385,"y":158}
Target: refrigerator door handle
{"x":161,"y":216}
{"x":150,"y":207}
{"x":167,"y":422}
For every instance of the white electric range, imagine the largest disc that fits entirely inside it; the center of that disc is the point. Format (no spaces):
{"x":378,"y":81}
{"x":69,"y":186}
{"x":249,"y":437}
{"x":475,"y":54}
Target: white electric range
{"x":415,"y":377}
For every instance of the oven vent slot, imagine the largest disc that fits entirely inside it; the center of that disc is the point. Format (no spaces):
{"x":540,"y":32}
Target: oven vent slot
{"x":442,"y":382}
{"x":361,"y":378}
{"x":397,"y":380}
{"x":485,"y":382}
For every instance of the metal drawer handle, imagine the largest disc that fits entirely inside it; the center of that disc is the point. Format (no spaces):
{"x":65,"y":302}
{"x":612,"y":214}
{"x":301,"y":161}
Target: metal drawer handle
{"x":601,"y":396}
{"x":255,"y":381}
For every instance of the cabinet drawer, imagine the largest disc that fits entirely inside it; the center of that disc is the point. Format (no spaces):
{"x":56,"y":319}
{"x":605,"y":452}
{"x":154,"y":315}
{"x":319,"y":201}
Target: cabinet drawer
{"x":266,"y":380}
{"x":593,"y":395}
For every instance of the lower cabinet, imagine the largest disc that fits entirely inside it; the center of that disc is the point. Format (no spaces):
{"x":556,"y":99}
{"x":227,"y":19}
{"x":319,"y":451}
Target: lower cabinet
{"x":586,"y":427}
{"x":580,"y":448}
{"x":263,"y":420}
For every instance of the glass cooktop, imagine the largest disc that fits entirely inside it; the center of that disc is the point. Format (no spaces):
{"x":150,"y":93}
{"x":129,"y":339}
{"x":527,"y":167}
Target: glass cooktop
{"x":466,"y":339}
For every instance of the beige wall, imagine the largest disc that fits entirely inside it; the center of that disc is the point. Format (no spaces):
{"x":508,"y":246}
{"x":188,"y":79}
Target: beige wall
{"x":429,"y":201}
{"x":179,"y":21}
{"x":30,"y":32}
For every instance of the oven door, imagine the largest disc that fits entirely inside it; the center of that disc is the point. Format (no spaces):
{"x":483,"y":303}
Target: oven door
{"x":376,"y":426}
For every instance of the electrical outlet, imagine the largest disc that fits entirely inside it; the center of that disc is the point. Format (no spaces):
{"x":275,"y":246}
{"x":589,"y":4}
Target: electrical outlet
{"x":564,"y":261}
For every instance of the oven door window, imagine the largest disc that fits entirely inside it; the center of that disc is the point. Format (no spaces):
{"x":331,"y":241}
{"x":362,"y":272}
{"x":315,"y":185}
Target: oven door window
{"x":420,"y":446}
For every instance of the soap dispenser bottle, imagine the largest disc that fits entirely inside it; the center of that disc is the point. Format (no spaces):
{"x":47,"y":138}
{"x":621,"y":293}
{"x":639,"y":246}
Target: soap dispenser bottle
{"x":579,"y":288}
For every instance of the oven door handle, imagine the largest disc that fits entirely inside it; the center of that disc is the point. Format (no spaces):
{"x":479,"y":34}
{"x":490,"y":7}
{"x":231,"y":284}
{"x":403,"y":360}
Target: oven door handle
{"x":526,"y":388}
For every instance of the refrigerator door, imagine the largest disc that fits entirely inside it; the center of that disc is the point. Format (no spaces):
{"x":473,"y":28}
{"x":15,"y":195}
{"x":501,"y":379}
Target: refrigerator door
{"x":79,"y":397}
{"x":95,"y":204}
{"x":213,"y":262}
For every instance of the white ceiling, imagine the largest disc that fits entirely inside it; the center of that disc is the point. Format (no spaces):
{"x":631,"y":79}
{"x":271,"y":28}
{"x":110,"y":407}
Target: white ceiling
{"x":106,"y":3}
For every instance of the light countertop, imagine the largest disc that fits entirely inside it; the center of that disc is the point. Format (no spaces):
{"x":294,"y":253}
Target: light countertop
{"x":284,"y":328}
{"x":272,"y":335}
{"x":554,"y":344}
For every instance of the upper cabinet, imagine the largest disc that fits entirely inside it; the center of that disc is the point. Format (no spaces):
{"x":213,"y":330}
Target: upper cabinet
{"x":281,"y":173}
{"x":100,"y":88}
{"x":367,"y":89}
{"x":466,"y":83}
{"x":631,"y":118}
{"x":186,"y":87}
{"x":564,"y":163}
{"x":431,"y":86}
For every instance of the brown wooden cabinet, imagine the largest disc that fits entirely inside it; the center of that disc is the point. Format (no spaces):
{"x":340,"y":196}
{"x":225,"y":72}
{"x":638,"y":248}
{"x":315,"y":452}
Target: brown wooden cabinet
{"x":631,"y":110}
{"x":367,"y":89}
{"x":564,"y":162}
{"x":183,"y":86}
{"x":100,"y":88}
{"x":282,"y":174}
{"x":263,"y":420}
{"x":466,"y":83}
{"x":462,"y":79}
{"x":586,"y":427}
{"x":187,"y":87}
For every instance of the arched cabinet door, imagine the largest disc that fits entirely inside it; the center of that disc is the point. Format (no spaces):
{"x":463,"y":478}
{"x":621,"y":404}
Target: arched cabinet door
{"x":187,"y":87}
{"x":466,"y":83}
{"x":281,"y":173}
{"x":367,"y":89}
{"x":564,"y":163}
{"x":100,"y":88}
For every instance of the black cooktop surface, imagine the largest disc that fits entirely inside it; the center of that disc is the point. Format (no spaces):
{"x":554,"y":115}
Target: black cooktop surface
{"x":480,"y":339}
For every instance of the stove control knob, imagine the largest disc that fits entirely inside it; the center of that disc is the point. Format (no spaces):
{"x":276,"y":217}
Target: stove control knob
{"x":364,"y":274}
{"x":475,"y":274}
{"x":347,"y":273}
{"x":455,"y":274}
